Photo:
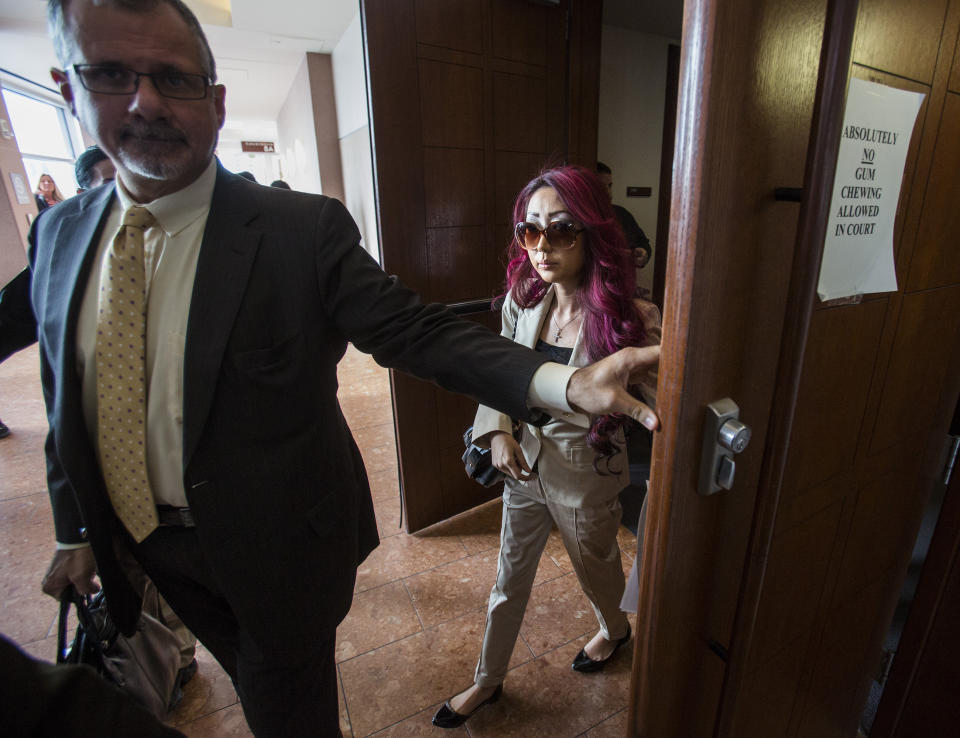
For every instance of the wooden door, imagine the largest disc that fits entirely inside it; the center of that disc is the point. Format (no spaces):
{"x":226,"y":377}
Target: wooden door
{"x":468,"y":100}
{"x":763,"y":608}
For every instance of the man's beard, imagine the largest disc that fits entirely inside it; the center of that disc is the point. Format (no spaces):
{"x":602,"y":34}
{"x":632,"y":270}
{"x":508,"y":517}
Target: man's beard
{"x":154,"y":151}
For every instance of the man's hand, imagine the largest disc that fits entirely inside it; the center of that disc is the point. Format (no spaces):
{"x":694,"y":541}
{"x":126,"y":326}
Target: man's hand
{"x":601,"y":388}
{"x":74,"y":566}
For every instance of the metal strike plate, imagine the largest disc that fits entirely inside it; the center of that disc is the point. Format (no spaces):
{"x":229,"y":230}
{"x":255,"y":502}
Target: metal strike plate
{"x":723,"y":437}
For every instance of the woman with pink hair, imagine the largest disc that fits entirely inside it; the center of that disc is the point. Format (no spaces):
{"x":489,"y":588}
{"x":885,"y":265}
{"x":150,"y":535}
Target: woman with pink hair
{"x":570,"y":294}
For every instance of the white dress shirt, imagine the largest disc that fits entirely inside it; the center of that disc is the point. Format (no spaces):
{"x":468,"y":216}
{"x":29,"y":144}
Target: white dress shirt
{"x":171,"y":249}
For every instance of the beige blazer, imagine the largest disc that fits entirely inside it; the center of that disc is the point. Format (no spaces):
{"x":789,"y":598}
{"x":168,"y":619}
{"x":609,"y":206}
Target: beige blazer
{"x":564,"y":460}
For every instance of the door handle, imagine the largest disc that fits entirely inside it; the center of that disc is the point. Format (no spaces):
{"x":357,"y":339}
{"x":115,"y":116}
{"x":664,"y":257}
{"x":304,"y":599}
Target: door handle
{"x":724,"y":436}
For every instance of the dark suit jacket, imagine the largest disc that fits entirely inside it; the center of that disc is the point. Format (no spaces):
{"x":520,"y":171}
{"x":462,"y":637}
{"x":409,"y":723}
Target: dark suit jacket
{"x":272,"y":475}
{"x":636,"y":238}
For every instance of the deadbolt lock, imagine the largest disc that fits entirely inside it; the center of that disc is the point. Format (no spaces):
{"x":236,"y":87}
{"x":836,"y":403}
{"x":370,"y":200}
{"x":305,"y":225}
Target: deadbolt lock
{"x":723,"y":437}
{"x":734,"y":436}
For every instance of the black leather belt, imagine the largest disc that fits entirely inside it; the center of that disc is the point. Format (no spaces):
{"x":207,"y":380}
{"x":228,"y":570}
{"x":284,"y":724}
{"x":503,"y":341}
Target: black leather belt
{"x":179,"y":516}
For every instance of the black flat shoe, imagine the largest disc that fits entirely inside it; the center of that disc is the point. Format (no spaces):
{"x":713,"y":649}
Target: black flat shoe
{"x":586,"y":664}
{"x":447,"y":717}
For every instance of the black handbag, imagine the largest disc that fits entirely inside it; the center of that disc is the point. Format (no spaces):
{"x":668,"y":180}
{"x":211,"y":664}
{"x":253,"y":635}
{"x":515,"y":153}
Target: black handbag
{"x":477,"y":463}
{"x":145,"y":665}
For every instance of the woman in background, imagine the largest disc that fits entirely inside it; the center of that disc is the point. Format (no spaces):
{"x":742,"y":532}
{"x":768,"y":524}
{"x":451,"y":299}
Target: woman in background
{"x":46,"y":193}
{"x":570,"y":294}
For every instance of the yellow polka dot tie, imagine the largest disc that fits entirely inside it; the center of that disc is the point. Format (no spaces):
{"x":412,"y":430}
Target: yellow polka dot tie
{"x":121,"y":376}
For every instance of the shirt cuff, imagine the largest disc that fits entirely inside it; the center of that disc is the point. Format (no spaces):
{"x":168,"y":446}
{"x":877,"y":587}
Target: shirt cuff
{"x":548,"y":392}
{"x":71,"y":546}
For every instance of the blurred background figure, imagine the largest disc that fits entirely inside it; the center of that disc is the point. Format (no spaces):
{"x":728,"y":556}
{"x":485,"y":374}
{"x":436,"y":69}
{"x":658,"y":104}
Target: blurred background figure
{"x":636,"y":239}
{"x":280,"y":183}
{"x":93,"y":168}
{"x":46,"y":193}
{"x":247,"y":175}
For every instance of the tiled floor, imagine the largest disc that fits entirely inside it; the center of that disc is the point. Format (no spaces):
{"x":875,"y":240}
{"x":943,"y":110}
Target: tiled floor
{"x":413,"y":635}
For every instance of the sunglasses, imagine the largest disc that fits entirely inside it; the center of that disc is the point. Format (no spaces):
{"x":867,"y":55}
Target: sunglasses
{"x":561,"y":234}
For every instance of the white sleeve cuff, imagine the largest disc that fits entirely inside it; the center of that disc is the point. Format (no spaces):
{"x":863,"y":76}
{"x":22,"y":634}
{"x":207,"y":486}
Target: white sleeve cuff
{"x":548,"y":392}
{"x":71,"y":546}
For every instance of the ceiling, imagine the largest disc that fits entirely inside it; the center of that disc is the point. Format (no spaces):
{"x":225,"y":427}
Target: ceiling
{"x":259,"y":45}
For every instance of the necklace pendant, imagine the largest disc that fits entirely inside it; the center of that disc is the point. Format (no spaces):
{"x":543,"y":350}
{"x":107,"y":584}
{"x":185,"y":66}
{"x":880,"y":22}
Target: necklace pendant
{"x":556,"y":336}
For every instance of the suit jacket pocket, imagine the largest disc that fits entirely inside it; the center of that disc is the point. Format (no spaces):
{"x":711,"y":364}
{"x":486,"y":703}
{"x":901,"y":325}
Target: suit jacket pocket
{"x":277,"y":364}
{"x":580,"y":456}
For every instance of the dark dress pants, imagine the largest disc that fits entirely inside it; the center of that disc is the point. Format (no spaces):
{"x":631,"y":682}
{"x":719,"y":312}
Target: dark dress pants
{"x":286,"y":695}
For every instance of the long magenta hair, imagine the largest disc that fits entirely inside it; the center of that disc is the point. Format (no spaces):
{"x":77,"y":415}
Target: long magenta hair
{"x":611,"y":320}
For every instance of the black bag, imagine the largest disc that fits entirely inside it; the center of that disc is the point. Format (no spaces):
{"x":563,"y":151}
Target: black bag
{"x":145,"y":665}
{"x":477,"y":462}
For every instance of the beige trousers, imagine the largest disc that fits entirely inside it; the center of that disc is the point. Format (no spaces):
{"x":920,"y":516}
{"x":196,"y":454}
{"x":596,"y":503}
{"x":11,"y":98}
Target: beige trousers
{"x":590,"y":537}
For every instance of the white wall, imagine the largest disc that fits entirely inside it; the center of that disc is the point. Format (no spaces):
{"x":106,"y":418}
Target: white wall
{"x":633,"y":70}
{"x":297,"y":137}
{"x":353,"y":125}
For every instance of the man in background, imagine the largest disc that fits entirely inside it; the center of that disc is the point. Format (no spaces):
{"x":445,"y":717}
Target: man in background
{"x":92,"y":169}
{"x":636,"y":239}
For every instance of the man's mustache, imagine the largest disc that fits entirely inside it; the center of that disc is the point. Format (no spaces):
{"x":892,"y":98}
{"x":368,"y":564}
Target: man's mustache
{"x":153,"y":131}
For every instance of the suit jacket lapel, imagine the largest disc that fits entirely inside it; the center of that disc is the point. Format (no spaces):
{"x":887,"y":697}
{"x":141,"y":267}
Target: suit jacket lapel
{"x":530,"y":320}
{"x":75,"y":244}
{"x":223,"y":267}
{"x":579,"y":355}
{"x":530,"y":326}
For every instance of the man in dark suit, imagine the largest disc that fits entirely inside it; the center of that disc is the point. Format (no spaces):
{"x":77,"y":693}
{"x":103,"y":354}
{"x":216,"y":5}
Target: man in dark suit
{"x":636,"y":239}
{"x":249,"y":295}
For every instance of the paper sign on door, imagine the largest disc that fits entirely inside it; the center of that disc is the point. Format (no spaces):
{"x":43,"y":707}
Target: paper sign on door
{"x":858,"y":249}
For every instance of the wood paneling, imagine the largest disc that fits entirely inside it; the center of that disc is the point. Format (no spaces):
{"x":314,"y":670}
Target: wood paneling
{"x":900,"y":38}
{"x":771,"y":688}
{"x":453,"y":187}
{"x":928,"y":333}
{"x":468,"y":98}
{"x":453,"y":24}
{"x":523,"y":31}
{"x":932,"y":264}
{"x":839,"y":362}
{"x":885,"y":521}
{"x":954,"y":83}
{"x":846,"y":659}
{"x":455,"y":258}
{"x":794,"y":582}
{"x":389,"y":35}
{"x":520,"y":113}
{"x":451,"y":105}
{"x":513,"y":171}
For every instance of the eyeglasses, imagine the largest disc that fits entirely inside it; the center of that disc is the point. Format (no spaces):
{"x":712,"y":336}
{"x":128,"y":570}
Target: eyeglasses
{"x":561,"y":234}
{"x":108,"y":79}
